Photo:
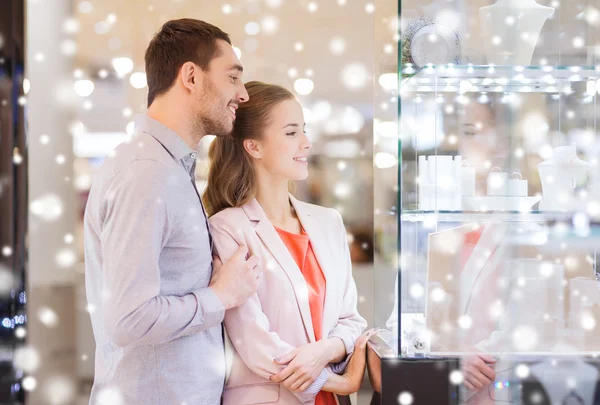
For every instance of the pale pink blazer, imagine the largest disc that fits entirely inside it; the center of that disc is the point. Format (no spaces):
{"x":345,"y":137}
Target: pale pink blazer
{"x":277,"y":319}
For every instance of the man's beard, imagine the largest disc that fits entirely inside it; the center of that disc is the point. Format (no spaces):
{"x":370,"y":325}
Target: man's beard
{"x":210,"y":120}
{"x":211,"y":126}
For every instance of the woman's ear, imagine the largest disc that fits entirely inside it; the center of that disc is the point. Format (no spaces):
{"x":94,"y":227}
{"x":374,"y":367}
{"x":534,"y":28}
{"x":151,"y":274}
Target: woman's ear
{"x":253,"y":148}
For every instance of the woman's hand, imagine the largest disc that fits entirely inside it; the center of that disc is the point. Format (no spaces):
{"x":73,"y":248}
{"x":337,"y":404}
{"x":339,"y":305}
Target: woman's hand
{"x":351,"y":380}
{"x":374,"y":368}
{"x":303,"y":365}
{"x":478,"y":370}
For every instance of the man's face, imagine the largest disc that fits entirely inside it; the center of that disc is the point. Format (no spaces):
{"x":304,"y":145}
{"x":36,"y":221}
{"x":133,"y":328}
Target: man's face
{"x":222,"y":91}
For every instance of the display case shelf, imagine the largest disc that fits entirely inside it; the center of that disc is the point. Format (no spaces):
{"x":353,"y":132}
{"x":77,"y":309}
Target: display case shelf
{"x":499,"y":79}
{"x":478,"y":216}
{"x":552,"y":239}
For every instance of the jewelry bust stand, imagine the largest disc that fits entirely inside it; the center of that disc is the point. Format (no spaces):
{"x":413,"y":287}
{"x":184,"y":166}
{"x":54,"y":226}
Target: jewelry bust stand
{"x":569,"y":381}
{"x":511,"y":29}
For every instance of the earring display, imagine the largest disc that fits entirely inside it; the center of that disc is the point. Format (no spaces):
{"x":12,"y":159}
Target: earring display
{"x":504,"y":193}
{"x":440,"y":183}
{"x":468,"y":179}
{"x":516,"y":186}
{"x":497,"y":183}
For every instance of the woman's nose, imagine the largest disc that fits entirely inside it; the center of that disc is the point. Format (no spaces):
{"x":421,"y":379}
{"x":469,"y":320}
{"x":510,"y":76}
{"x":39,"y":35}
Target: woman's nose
{"x":307,"y":144}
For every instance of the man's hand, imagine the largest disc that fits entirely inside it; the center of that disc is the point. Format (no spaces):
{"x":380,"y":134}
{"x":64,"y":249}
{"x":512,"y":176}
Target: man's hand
{"x":237,"y":279}
{"x":478,"y":371}
{"x":303,"y":365}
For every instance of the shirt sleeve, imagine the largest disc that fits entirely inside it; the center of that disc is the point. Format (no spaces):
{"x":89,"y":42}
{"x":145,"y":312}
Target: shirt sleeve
{"x":134,"y":230}
{"x":350,"y":324}
{"x":248,"y":327}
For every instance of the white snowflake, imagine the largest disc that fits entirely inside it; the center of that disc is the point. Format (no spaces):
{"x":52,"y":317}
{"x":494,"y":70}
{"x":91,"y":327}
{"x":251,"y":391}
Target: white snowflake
{"x":26,"y":359}
{"x":29,"y":383}
{"x":522,"y":371}
{"x":48,"y":317}
{"x":456,"y":377}
{"x":465,"y":322}
{"x":405,"y":398}
{"x":110,"y":396}
{"x":59,"y":390}
{"x":525,"y":338}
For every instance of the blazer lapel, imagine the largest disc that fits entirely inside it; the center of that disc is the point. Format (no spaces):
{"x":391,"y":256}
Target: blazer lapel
{"x":269,"y":236}
{"x":318,"y":234}
{"x":490,"y":239}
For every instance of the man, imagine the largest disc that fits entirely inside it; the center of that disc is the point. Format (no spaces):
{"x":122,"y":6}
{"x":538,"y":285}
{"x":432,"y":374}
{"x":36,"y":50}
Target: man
{"x":156,"y":312}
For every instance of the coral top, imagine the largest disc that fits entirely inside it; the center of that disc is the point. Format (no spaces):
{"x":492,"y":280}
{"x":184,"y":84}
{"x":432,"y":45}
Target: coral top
{"x":301,"y":250}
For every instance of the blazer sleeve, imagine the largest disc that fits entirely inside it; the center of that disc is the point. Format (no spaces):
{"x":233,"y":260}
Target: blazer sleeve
{"x":350,"y":324}
{"x":247,"y":325}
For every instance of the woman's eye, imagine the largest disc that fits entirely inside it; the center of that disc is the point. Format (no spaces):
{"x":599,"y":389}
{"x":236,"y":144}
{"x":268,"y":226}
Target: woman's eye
{"x":291,"y":133}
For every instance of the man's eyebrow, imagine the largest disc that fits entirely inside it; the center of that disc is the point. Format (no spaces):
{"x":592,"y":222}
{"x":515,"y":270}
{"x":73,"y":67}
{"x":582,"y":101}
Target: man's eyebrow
{"x":291,"y":125}
{"x":238,"y":67}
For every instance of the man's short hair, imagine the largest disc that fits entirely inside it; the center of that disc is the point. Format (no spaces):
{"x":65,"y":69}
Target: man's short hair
{"x":178,"y":42}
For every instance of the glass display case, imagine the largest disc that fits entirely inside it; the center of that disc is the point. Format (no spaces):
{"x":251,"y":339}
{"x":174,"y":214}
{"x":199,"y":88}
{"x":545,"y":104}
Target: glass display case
{"x":488,"y":226}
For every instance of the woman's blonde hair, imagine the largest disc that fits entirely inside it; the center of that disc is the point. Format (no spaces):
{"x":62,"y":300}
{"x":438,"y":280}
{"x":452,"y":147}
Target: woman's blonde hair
{"x":231,"y":177}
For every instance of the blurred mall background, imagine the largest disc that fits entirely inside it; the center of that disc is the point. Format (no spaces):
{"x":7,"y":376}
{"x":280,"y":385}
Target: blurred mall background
{"x":73,"y":71}
{"x":84,"y":82}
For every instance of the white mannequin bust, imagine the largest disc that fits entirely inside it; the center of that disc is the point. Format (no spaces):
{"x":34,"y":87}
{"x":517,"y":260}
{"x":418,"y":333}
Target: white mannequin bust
{"x":511,"y":29}
{"x":559,"y":176}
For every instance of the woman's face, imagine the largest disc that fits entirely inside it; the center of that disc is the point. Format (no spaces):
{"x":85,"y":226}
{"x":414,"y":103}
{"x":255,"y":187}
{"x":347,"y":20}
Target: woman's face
{"x":480,"y":141}
{"x":283,"y":149}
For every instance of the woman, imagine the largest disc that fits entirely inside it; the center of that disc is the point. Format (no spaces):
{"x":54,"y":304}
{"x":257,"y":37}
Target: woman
{"x":298,"y":331}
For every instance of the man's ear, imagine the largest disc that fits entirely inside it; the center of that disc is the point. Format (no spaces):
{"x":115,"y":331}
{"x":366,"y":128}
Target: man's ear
{"x":189,"y":75}
{"x":253,"y":148}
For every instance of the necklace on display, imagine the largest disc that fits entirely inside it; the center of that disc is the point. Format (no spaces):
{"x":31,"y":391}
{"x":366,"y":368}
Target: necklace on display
{"x":573,"y":399}
{"x":577,"y":389}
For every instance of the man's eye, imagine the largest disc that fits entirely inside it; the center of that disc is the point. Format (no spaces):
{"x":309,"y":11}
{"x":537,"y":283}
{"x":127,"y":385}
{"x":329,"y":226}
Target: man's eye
{"x":233,"y":79}
{"x":291,"y":133}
